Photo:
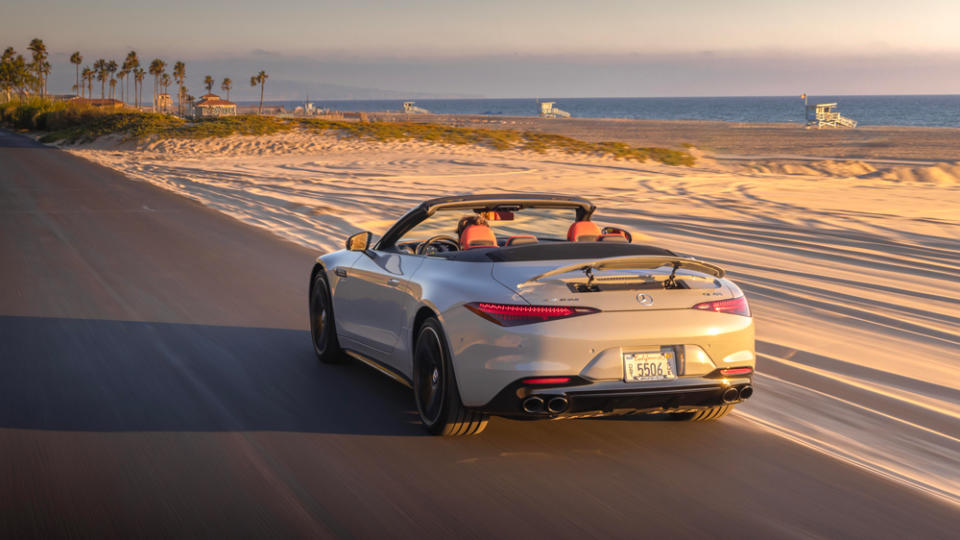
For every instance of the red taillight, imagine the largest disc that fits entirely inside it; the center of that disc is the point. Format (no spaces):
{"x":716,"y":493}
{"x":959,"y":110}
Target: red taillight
{"x":513,"y":314}
{"x":737,"y":306}
{"x":547,"y":380}
{"x":736,"y":371}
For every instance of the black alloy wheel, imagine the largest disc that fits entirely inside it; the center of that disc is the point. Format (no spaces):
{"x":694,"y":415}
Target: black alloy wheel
{"x":435,"y":386}
{"x":322,"y":331}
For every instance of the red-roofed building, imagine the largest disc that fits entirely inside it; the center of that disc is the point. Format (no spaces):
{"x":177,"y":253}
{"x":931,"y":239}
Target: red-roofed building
{"x":211,"y":106}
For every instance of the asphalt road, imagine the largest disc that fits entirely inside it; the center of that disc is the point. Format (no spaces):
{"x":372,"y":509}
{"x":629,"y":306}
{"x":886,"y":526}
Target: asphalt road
{"x":156,"y":379}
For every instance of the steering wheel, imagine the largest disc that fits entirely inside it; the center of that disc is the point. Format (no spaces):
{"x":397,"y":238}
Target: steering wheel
{"x":441,"y":238}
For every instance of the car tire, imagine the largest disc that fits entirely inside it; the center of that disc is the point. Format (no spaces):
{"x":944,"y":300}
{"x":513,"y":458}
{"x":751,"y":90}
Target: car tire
{"x":703,"y":415}
{"x":323,"y":332}
{"x":435,"y":386}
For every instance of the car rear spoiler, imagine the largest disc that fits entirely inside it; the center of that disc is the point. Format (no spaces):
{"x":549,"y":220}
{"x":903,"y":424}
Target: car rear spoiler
{"x":635,"y":262}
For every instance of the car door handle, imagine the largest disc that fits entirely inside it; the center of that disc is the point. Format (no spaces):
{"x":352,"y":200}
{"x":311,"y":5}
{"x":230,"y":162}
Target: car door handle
{"x":393,"y":282}
{"x":340,"y":272}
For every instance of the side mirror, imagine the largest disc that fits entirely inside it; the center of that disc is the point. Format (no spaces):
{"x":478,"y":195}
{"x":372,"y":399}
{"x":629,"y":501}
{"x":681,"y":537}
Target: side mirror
{"x":359,"y":241}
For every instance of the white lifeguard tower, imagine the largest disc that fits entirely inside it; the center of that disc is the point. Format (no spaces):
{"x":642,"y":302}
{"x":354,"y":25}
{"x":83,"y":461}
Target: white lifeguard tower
{"x":547,"y":110}
{"x":410,"y":107}
{"x":823,"y":115}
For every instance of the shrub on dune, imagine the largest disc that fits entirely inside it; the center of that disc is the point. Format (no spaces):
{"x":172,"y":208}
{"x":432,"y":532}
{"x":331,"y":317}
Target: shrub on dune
{"x":76,"y":123}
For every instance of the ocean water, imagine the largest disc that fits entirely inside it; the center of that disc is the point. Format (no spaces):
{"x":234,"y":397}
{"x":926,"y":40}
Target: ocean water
{"x":925,"y":110}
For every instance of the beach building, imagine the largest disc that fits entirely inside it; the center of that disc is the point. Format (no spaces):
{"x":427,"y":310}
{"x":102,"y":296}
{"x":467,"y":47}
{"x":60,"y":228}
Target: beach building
{"x":163,"y":103}
{"x":410,"y":107}
{"x":547,"y":110}
{"x":212,"y":106}
{"x":307,"y":109}
{"x":823,"y":115}
{"x":96,"y":102}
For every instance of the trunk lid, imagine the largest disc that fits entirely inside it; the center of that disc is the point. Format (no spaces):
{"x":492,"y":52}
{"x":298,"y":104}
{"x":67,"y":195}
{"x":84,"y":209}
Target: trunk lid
{"x":617,"y":283}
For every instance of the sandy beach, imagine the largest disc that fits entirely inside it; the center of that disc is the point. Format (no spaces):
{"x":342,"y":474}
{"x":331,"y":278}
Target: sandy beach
{"x":735,"y":140}
{"x":851,"y":265}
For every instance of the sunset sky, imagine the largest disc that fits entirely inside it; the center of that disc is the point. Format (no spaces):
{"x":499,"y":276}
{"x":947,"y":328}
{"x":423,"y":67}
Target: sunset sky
{"x":519,"y":48}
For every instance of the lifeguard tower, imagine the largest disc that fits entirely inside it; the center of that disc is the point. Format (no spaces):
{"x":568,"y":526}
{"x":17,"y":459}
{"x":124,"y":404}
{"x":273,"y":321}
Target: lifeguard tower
{"x":409,"y":107}
{"x":823,"y":115}
{"x":547,"y":110}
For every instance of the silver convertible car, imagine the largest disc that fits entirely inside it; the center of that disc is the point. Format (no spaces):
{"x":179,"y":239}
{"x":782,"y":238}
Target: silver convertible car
{"x":522,"y":306}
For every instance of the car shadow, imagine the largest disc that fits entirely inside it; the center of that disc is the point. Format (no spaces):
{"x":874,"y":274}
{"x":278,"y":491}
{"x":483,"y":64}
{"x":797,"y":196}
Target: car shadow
{"x":107,"y":375}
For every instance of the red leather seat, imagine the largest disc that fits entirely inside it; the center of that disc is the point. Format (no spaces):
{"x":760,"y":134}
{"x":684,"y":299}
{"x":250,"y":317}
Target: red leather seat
{"x":521,"y":239}
{"x":475,"y":236}
{"x":583,"y":231}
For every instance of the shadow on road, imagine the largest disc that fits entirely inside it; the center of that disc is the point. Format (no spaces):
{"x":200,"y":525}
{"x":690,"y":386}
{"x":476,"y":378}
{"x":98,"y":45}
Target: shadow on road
{"x":102,"y":375}
{"x":9,"y":139}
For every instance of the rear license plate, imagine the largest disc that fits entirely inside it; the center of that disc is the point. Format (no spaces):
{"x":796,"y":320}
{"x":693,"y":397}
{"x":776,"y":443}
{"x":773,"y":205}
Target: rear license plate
{"x":649,"y":366}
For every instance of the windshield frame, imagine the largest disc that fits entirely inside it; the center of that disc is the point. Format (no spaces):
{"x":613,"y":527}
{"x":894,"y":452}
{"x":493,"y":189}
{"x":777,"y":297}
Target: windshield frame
{"x":483,"y":203}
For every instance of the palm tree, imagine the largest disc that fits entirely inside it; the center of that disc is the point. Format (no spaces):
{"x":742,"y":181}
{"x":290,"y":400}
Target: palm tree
{"x":39,"y":51}
{"x":261,"y":79}
{"x":15,"y":74}
{"x":83,"y":81}
{"x":112,"y":68}
{"x":130,"y":64}
{"x":6,"y":73}
{"x":113,"y":87}
{"x":208,"y":82}
{"x":76,"y":60}
{"x":45,"y":70}
{"x":87,"y":76}
{"x":138,"y":74}
{"x":180,"y":73}
{"x":226,"y":86}
{"x":157,"y":67}
{"x":100,"y":67}
{"x":165,"y":82}
{"x":121,"y":75}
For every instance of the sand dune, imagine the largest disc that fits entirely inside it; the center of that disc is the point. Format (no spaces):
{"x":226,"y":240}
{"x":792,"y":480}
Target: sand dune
{"x":852,"y":268}
{"x":941,"y":174}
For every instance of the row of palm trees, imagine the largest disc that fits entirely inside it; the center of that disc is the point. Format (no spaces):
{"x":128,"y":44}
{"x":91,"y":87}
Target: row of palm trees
{"x":16,"y":74}
{"x":110,"y":73}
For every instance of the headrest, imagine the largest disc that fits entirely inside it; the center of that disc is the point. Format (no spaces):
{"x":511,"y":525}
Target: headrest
{"x":583,"y":231}
{"x":521,"y":239}
{"x":475,"y":236}
{"x":614,"y":237}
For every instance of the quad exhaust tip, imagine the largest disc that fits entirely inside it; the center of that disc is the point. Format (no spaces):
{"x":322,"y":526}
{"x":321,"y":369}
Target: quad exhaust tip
{"x":557,"y":404}
{"x":730,"y":395}
{"x":533,"y":404}
{"x":550,"y":405}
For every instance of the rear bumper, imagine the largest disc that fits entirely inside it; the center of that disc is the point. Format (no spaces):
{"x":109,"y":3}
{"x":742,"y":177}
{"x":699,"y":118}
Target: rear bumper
{"x":587,"y":399}
{"x":488,"y":359}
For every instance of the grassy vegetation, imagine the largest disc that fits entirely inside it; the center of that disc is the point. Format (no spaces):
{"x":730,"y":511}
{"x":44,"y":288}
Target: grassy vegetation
{"x":63,"y":122}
